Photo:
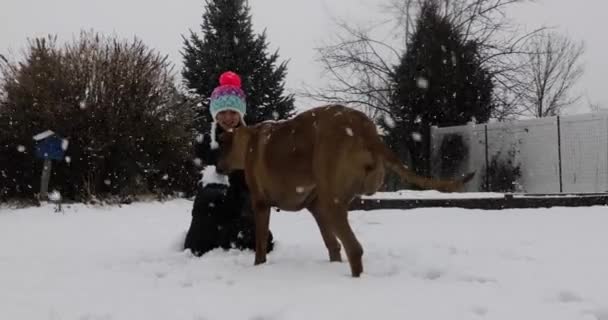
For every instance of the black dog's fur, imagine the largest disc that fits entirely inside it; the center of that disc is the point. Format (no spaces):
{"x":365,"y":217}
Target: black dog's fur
{"x":221,"y":219}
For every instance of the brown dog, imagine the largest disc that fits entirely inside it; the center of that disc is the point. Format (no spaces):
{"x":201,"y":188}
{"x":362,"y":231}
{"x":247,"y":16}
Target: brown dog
{"x":319,"y":160}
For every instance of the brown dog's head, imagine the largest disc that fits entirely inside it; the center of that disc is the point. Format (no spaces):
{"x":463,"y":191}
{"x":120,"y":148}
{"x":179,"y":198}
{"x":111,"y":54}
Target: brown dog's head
{"x":233,"y":148}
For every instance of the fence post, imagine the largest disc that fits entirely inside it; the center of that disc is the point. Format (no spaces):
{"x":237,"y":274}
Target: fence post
{"x":432,"y":151}
{"x":487,"y":182}
{"x":469,"y":143}
{"x":559,"y":154}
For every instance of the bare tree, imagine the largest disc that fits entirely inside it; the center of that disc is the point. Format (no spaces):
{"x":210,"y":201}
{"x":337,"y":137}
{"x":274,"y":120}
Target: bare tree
{"x":360,"y":70}
{"x":402,"y":13}
{"x":551,"y":71}
{"x":360,"y":64}
{"x":594,"y":106}
{"x":502,"y":44}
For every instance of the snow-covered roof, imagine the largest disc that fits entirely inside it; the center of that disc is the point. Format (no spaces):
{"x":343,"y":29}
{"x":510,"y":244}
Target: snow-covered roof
{"x":43,"y":135}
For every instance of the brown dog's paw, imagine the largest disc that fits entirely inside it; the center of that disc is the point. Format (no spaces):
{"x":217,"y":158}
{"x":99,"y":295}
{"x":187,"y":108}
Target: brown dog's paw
{"x":259,"y":260}
{"x":335,"y":257}
{"x":356,"y":271}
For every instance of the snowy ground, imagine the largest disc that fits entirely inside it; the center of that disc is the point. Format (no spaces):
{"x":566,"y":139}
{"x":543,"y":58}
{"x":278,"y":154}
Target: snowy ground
{"x":123,"y":263}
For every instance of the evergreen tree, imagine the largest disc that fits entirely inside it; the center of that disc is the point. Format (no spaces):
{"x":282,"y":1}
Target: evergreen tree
{"x":439,"y":82}
{"x":229,"y":43}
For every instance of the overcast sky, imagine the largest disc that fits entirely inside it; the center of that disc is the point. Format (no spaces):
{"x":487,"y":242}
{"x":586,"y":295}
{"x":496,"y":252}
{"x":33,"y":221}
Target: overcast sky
{"x":295,"y":27}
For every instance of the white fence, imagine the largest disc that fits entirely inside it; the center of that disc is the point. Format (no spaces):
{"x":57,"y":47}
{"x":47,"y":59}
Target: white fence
{"x":556,"y":154}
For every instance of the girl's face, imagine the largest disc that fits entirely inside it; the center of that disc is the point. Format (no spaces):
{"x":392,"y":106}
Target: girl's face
{"x":228,"y":119}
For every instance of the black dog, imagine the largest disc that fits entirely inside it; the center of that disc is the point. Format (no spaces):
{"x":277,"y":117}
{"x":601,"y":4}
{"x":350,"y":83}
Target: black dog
{"x":221,"y":218}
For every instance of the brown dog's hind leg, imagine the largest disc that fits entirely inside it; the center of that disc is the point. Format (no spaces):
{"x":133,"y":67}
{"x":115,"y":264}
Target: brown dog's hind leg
{"x":262,"y":222}
{"x":353,"y":248}
{"x":327,"y":232}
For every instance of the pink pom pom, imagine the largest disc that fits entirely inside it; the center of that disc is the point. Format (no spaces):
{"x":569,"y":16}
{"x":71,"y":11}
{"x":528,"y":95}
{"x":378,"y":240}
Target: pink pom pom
{"x":230,"y":78}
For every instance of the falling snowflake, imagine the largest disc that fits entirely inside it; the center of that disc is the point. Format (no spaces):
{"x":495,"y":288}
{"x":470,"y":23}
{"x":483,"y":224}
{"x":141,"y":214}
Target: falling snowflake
{"x":68,"y":159}
{"x":198,"y":162}
{"x":55,"y":196}
{"x":389,"y":121}
{"x":275,"y":115}
{"x":416,"y":136}
{"x":422,"y":83}
{"x":82,"y":105}
{"x":165,"y":177}
{"x":199,"y":138}
{"x":300,"y":189}
{"x":349,"y":131}
{"x":64,"y":144}
{"x":21,"y":148}
{"x":107,"y":182}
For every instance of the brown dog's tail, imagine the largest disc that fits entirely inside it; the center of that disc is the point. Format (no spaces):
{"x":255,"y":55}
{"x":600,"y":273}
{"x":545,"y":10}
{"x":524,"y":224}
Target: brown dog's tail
{"x":392,"y":162}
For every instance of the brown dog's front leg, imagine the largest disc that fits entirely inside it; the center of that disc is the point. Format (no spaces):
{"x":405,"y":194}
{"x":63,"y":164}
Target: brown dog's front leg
{"x":262,"y":222}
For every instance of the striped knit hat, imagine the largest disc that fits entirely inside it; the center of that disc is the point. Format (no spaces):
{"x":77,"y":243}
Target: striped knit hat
{"x":227,"y":96}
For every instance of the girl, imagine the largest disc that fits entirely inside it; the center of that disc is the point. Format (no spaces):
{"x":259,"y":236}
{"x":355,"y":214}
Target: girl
{"x":222,"y":215}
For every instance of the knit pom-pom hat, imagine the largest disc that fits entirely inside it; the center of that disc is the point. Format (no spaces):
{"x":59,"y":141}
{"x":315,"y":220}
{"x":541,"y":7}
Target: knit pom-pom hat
{"x":227,"y":96}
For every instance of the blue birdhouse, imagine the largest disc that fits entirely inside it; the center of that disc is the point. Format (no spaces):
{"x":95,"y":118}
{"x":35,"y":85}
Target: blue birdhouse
{"x":50,"y":146}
